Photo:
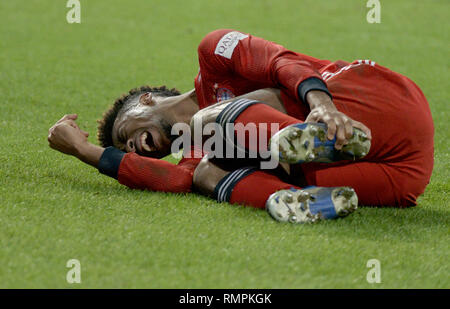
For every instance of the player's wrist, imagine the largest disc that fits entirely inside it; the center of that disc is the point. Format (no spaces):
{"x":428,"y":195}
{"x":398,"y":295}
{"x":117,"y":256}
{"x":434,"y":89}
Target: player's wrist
{"x":80,"y":149}
{"x":88,"y":153}
{"x":318,"y":99}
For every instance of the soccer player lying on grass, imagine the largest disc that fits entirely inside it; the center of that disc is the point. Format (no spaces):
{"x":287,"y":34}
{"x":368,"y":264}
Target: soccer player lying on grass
{"x":323,"y":111}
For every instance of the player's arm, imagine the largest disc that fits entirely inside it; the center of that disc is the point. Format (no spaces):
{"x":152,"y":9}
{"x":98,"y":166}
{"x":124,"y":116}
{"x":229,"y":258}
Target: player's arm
{"x":129,"y":169}
{"x":269,"y":65}
{"x":231,"y":53}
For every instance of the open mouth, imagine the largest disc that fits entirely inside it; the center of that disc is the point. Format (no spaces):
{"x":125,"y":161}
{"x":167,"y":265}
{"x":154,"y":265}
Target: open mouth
{"x":146,"y":141}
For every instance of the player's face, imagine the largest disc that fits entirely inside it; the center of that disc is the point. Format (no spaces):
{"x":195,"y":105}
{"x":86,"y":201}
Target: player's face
{"x":143,"y":128}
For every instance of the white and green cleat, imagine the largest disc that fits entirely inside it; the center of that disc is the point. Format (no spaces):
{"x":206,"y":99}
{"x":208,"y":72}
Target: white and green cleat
{"x":311,"y":204}
{"x":308,"y":142}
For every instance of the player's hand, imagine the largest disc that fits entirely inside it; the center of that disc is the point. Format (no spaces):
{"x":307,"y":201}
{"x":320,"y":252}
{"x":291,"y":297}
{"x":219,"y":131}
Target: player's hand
{"x":66,"y":136}
{"x":339,"y":124}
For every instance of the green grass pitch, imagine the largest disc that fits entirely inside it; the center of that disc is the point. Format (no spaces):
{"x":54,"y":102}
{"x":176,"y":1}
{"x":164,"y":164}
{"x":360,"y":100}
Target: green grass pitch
{"x":54,"y":208}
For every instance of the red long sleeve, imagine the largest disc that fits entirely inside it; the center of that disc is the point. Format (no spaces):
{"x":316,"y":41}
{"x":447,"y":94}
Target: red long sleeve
{"x":242,"y":63}
{"x":139,"y":172}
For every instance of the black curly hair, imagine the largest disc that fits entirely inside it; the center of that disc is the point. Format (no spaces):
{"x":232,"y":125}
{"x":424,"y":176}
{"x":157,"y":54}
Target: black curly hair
{"x":106,"y":123}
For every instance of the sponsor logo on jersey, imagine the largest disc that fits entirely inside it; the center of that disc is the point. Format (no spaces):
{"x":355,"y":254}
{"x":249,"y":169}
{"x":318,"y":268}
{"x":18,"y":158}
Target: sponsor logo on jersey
{"x":228,"y":43}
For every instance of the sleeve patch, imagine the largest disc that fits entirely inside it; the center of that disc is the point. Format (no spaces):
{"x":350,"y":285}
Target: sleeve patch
{"x":228,"y":43}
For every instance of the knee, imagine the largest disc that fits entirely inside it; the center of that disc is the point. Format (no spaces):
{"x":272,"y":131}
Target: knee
{"x":201,"y":173}
{"x":408,"y":195}
{"x":405,"y":200}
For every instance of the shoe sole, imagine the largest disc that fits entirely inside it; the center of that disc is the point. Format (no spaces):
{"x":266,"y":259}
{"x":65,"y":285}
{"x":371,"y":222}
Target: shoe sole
{"x":311,"y":205}
{"x":308,"y":142}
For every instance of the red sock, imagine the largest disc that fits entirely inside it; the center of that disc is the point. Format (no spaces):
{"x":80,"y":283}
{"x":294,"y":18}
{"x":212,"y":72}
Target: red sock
{"x":263,"y":114}
{"x":255,"y":189}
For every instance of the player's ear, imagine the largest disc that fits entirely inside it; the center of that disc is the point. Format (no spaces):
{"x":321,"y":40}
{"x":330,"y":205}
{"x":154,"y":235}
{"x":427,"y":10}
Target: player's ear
{"x":130,"y":146}
{"x":147,"y":99}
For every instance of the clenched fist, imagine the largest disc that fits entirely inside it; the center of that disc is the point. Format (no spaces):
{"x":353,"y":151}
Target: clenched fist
{"x":66,"y":137}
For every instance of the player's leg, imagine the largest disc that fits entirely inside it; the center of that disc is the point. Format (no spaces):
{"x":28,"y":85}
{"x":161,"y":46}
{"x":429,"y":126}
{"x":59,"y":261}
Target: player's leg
{"x":283,"y":201}
{"x":256,"y":127}
{"x":376,"y":184}
{"x":400,"y":162}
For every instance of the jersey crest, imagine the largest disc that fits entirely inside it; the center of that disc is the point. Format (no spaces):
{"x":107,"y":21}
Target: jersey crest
{"x":223,"y":94}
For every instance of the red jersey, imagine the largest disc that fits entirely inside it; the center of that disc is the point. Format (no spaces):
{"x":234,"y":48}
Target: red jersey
{"x":233,"y":63}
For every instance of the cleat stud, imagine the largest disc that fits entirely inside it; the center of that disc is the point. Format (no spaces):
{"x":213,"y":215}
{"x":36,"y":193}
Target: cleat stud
{"x":348,"y":193}
{"x":314,"y":218}
{"x":303,"y":196}
{"x":363,"y":154}
{"x":288,"y":198}
{"x":292,"y":219}
{"x":310,"y":157}
{"x":293,"y":134}
{"x":343,"y":213}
